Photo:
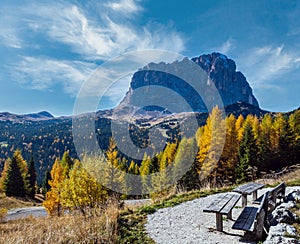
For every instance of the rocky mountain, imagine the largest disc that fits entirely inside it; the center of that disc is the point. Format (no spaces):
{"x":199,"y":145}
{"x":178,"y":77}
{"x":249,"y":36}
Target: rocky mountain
{"x":220,"y":72}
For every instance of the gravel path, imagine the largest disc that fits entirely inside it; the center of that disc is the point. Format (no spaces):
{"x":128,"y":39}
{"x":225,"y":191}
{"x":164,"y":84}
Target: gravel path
{"x":187,"y":223}
{"x":22,"y":213}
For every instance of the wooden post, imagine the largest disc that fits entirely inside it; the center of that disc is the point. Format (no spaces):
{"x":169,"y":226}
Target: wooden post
{"x":219,"y":222}
{"x":244,"y":200}
{"x":259,"y":228}
{"x":229,"y":215}
{"x":254,"y":195}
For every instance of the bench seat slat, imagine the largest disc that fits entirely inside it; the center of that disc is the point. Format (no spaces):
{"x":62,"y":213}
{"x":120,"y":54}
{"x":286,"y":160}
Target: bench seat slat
{"x":218,"y":203}
{"x":230,"y":204}
{"x":246,"y":219}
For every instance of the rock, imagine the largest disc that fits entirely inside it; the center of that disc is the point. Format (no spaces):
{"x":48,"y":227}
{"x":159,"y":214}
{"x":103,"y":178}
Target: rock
{"x":218,"y":70}
{"x":294,"y":196}
{"x":279,"y":233}
{"x":282,"y":215}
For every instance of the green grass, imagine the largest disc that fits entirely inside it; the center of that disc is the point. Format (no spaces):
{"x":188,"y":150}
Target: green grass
{"x":295,"y":182}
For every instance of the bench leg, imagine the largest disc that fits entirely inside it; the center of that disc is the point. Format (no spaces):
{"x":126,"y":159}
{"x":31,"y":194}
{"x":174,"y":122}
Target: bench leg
{"x":244,"y":200}
{"x":254,"y":195}
{"x":229,"y":215}
{"x":219,"y":222}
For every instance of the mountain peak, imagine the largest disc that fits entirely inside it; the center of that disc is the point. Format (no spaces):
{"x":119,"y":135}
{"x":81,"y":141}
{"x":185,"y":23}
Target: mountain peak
{"x":221,"y":71}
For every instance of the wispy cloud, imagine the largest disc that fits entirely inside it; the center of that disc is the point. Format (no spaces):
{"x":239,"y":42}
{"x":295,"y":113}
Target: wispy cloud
{"x":262,"y":65}
{"x":90,"y":39}
{"x":227,"y":46}
{"x":43,"y":73}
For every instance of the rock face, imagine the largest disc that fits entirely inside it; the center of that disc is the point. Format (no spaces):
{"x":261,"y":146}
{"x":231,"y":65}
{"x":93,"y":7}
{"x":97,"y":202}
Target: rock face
{"x":219,"y":71}
{"x":231,"y":84}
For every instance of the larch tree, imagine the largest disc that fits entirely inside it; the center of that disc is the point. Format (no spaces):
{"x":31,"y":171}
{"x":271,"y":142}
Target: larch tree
{"x":81,"y":190}
{"x":53,"y":197}
{"x":145,"y":170}
{"x":114,"y":176}
{"x":211,"y":145}
{"x":240,"y":127}
{"x":229,"y":155}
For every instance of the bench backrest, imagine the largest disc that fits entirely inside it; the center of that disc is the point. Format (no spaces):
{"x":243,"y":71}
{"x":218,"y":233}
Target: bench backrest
{"x":264,"y":203}
{"x":280,"y":189}
{"x":276,"y":192}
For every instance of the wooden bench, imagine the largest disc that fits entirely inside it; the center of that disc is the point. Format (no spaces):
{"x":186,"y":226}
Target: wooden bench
{"x":252,"y":219}
{"x":277,"y":192}
{"x":222,"y":205}
{"x":247,"y":189}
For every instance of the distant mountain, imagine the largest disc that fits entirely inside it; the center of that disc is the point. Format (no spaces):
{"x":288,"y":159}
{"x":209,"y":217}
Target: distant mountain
{"x":44,"y":115}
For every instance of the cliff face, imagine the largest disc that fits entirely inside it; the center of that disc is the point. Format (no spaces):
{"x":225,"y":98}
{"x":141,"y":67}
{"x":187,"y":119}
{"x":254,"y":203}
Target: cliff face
{"x":232,"y":84}
{"x":219,"y":70}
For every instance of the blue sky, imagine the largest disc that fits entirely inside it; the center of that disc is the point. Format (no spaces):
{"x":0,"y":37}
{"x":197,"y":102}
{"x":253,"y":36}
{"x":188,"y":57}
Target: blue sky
{"x":49,"y":48}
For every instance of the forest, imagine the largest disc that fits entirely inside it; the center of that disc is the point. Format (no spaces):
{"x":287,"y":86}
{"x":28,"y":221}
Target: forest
{"x":249,"y":147}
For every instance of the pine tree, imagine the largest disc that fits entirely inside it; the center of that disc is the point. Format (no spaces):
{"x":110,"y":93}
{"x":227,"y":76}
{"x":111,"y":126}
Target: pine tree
{"x":294,"y":123}
{"x":67,"y":163}
{"x":31,"y":178}
{"x":283,"y":142}
{"x":246,"y":167}
{"x":45,"y":185}
{"x":265,"y":144}
{"x":13,"y":184}
{"x":184,"y":168}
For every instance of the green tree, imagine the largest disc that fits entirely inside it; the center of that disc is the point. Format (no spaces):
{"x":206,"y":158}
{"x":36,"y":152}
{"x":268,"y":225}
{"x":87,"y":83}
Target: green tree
{"x":31,"y":178}
{"x":45,"y":184}
{"x":13,"y":184}
{"x":246,"y":167}
{"x":185,"y":162}
{"x":265,"y":144}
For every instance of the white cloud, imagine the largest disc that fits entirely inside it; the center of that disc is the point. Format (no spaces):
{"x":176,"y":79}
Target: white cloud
{"x":104,"y":38}
{"x":125,"y":6}
{"x":42,"y":74}
{"x":262,"y":65}
{"x":226,"y":47}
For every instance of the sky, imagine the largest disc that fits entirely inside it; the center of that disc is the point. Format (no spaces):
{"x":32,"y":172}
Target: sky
{"x":48,"y":49}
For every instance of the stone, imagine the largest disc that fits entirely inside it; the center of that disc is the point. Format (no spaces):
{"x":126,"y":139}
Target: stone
{"x":279,"y":232}
{"x":282,"y":215}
